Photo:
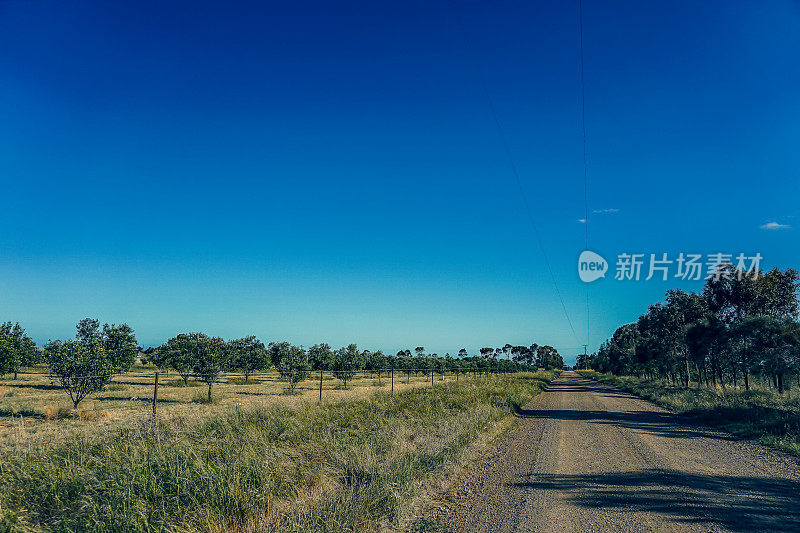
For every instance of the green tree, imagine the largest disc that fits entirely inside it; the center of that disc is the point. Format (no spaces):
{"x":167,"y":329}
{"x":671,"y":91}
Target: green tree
{"x":79,"y":368}
{"x":17,"y":350}
{"x":320,"y":357}
{"x":247,"y":355}
{"x":121,"y":345}
{"x":293,"y":365}
{"x":276,"y":351}
{"x":180,"y":354}
{"x":346,"y":362}
{"x":88,"y":331}
{"x":209,"y":358}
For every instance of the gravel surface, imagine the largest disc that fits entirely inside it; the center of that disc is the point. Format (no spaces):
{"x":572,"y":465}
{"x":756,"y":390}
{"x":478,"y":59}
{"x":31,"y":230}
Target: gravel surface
{"x":587,"y":457}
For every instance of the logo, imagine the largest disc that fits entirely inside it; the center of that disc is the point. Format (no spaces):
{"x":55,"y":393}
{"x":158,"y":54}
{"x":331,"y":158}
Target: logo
{"x":591,"y":266}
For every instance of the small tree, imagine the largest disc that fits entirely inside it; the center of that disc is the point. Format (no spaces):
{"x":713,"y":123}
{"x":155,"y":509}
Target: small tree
{"x":17,"y":350}
{"x":293,"y":365}
{"x":376,"y":361}
{"x":209,"y":357}
{"x":247,"y":355}
{"x":346,"y":362}
{"x":80,"y":369}
{"x":179,"y":354}
{"x":121,"y":346}
{"x":320,"y":357}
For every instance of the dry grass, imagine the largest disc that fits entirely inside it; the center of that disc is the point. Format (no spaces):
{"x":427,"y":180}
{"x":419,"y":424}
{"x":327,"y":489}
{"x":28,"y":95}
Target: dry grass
{"x":127,"y":400}
{"x":345,"y":465}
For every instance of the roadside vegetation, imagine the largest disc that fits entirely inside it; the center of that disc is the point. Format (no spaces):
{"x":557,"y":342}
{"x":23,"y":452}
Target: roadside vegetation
{"x":729,"y":355}
{"x":760,"y":414}
{"x":339,"y":466}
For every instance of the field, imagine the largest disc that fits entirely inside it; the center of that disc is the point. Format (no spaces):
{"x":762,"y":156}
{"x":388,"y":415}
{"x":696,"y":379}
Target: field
{"x":760,"y":413}
{"x":272,"y":462}
{"x":31,"y":406}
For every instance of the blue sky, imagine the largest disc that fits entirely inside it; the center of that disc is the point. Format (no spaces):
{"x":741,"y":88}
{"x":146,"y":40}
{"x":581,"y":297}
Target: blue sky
{"x":317,"y":172}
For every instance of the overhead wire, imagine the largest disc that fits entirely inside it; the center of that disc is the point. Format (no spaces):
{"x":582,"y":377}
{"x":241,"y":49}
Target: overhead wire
{"x":512,"y":163}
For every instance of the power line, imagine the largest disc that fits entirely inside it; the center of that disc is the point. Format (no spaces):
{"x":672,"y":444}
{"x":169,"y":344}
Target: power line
{"x":585,"y":165}
{"x":512,"y":163}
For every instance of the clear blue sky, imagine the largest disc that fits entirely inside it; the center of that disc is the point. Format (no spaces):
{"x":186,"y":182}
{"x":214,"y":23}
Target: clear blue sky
{"x":317,"y":172}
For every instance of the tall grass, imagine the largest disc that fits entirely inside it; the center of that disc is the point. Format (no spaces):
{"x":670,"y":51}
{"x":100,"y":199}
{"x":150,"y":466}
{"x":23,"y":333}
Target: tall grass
{"x":342,"y":466}
{"x":766,"y":416}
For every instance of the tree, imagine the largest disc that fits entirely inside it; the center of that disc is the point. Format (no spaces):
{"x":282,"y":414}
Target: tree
{"x":88,"y":331}
{"x":462,"y":353}
{"x":507,"y":350}
{"x":320,"y":357}
{"x":346,"y":362}
{"x":420,"y":351}
{"x":209,"y":356}
{"x":375,"y":361}
{"x":79,"y":368}
{"x":17,"y":350}
{"x":180,"y":354}
{"x":549,"y":358}
{"x":486,"y":352}
{"x":293,"y":365}
{"x":276,"y":351}
{"x":120,"y":344}
{"x":247,"y":355}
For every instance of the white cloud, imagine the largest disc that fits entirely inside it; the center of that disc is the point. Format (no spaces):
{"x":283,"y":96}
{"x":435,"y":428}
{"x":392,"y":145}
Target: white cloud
{"x":775,"y":225}
{"x":582,"y":220}
{"x":606,"y":211}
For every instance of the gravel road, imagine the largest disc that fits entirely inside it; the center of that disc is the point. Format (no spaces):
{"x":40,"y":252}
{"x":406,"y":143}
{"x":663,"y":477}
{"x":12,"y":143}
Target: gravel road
{"x":587,"y":457}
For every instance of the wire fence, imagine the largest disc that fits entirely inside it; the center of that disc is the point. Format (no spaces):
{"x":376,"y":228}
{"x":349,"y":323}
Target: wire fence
{"x":291,"y":378}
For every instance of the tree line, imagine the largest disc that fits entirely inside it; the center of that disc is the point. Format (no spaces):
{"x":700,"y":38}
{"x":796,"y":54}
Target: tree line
{"x":741,"y":324}
{"x":87,"y":363}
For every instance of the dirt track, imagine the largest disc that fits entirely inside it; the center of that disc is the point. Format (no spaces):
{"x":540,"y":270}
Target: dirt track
{"x":587,"y":457}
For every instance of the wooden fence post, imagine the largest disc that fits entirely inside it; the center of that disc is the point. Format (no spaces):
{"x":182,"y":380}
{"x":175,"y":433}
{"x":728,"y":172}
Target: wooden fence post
{"x":392,"y":373}
{"x":155,"y":394}
{"x":320,"y":385}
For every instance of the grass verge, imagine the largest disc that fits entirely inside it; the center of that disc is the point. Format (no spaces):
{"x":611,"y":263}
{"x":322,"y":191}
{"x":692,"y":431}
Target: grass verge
{"x":341,"y":466}
{"x":764,"y":416}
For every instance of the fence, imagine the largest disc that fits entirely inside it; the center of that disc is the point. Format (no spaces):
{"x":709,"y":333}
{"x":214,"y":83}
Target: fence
{"x":315,"y":376}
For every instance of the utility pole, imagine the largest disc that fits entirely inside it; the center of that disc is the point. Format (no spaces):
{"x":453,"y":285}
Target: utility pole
{"x":585,"y":356}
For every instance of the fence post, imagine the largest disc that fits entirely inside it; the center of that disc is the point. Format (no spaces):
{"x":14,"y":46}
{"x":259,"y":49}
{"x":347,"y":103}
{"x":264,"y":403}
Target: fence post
{"x":320,"y":385}
{"x":392,"y":373}
{"x":155,"y":394}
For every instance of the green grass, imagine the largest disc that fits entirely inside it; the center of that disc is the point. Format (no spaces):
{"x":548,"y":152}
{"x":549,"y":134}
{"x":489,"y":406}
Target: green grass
{"x":347,"y":465}
{"x":762,"y":415}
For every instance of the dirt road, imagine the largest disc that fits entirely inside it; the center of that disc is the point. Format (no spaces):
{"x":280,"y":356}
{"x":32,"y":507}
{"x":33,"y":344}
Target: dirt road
{"x":587,"y":457}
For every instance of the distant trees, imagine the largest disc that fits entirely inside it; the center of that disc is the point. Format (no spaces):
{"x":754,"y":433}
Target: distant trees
{"x":741,"y":324}
{"x":86,"y":364}
{"x":548,"y":357}
{"x":17,"y":350}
